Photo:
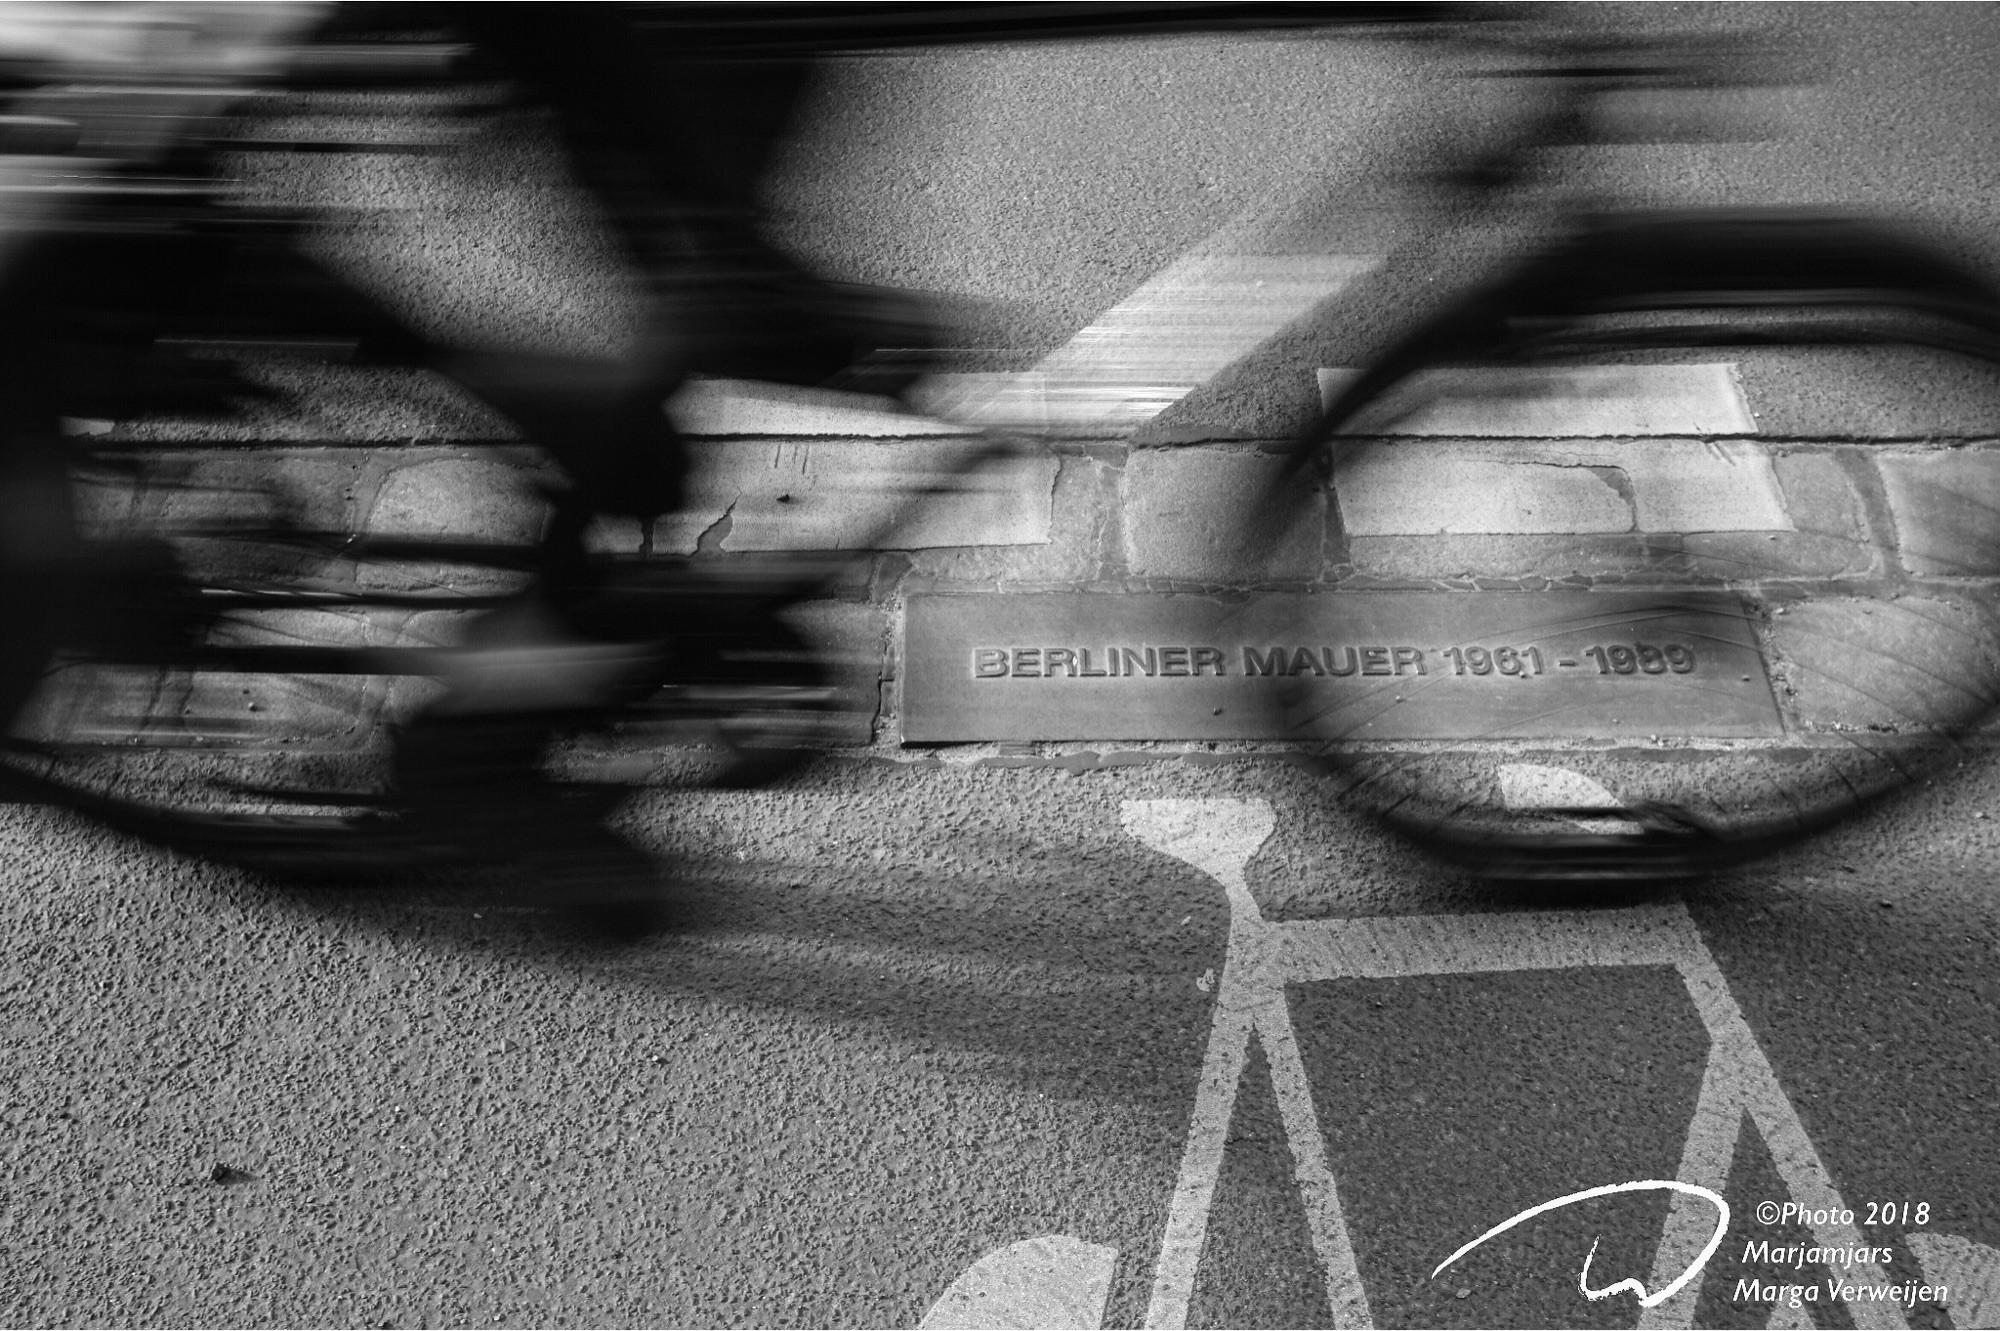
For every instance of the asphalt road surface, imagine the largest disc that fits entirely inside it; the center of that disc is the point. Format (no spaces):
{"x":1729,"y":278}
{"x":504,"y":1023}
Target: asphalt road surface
{"x":966,"y":1040}
{"x":919,"y":1013}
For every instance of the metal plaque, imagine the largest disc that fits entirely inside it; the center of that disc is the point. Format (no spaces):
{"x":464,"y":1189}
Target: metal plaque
{"x":1346,"y":665}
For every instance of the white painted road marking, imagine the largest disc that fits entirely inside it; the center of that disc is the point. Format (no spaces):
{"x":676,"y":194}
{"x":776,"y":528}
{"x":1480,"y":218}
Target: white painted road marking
{"x":1970,"y":1270}
{"x":1185,"y":325}
{"x":1220,"y":837}
{"x":1526,"y":787}
{"x":1178,"y":330}
{"x":1052,"y":1281}
{"x":1537,"y":786}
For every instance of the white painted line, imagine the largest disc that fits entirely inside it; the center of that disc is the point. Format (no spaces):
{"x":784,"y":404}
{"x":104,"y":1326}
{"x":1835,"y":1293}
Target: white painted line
{"x":1220,"y":836}
{"x":837,"y":495}
{"x":1970,"y":1270}
{"x":1536,"y":786}
{"x":1051,"y":1281}
{"x":1709,"y":1150}
{"x":1180,"y":329}
{"x":1739,"y":1080}
{"x":1345,"y":1297}
{"x":1565,"y":402}
{"x":1201,"y":1165}
{"x":1424,"y":488}
{"x":1526,"y":787}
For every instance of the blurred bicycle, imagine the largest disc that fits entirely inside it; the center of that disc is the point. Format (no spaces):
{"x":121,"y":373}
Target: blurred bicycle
{"x":1847,"y":309}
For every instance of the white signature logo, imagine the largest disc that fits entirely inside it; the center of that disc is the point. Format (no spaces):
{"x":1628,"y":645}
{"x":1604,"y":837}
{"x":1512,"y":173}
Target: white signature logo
{"x":1583,"y":1278}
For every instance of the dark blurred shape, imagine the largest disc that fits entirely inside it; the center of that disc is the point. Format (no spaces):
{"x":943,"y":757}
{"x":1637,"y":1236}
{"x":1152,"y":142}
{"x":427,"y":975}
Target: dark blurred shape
{"x":37,"y":136}
{"x":829,"y":28}
{"x":1587,"y":279}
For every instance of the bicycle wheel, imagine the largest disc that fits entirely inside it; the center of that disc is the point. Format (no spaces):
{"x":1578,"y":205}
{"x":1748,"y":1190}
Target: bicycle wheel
{"x":1710,"y":500}
{"x":738,"y":690}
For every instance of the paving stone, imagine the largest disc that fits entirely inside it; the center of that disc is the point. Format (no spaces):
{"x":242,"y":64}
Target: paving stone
{"x":180,"y":492}
{"x":1198,"y":515}
{"x":613,"y":535}
{"x":840,"y":495}
{"x":1584,"y":560}
{"x":1946,"y":506}
{"x":724,"y":408}
{"x":1566,"y":402}
{"x":1083,"y":516}
{"x":92,"y":702}
{"x":1402,"y":490}
{"x":190,"y":488}
{"x":1175,"y":333}
{"x":1913,"y":663}
{"x":315,"y":402}
{"x":334,"y":712}
{"x":491,"y":244}
{"x":357,"y":712}
{"x":853,"y":640}
{"x":1573,"y":486}
{"x":475,"y":498}
{"x":1828,"y":537}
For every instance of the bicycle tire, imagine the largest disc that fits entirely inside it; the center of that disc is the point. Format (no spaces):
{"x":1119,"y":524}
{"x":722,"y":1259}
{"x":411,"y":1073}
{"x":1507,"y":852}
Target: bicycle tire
{"x":1854,"y":282}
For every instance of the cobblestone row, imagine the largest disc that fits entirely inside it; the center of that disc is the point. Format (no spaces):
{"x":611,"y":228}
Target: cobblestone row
{"x":1872,"y":605}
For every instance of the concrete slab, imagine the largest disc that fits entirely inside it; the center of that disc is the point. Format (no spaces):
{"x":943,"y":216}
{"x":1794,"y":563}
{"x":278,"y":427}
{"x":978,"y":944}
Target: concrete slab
{"x":836,"y":495}
{"x":1083,"y":525}
{"x":1914,"y":664}
{"x":182,"y":489}
{"x":1832,"y":537}
{"x":1403,"y":490}
{"x":1564,"y":402}
{"x":1192,"y":515}
{"x":1946,"y":506}
{"x":853,"y":642}
{"x":1581,"y":560}
{"x":724,"y":408}
{"x":1425,"y":487}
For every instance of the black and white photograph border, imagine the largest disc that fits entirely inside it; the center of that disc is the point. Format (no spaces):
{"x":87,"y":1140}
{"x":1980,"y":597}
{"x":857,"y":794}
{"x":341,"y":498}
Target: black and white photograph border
{"x":1000,"y":665}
